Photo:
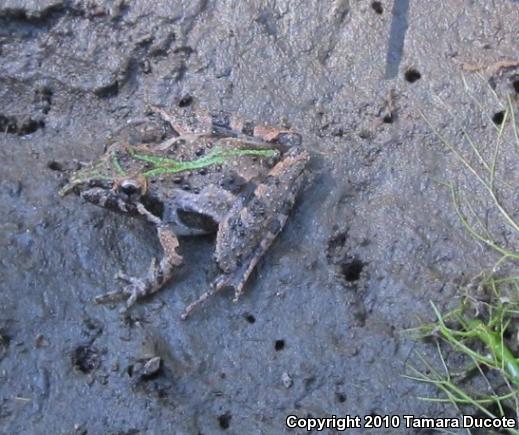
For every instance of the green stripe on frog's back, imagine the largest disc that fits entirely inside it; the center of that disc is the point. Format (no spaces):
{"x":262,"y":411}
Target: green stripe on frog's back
{"x":164,"y":165}
{"x":117,"y":165}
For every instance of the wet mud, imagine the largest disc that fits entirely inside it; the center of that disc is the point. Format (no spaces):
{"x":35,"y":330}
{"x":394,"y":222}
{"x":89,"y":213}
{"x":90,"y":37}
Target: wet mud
{"x":371,"y":241}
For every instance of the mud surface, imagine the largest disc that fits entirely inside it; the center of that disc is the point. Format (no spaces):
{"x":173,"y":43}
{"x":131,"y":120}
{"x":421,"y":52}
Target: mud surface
{"x":371,"y":241}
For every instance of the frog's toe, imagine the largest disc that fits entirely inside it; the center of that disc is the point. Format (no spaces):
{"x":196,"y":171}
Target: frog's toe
{"x":127,"y":278}
{"x":115,"y":296}
{"x":218,"y":284}
{"x":221,"y":282}
{"x":235,"y":282}
{"x":122,"y":276}
{"x":135,"y":289}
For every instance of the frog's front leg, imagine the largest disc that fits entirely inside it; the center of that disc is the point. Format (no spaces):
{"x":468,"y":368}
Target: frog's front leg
{"x":158,"y":273}
{"x":253,"y":222}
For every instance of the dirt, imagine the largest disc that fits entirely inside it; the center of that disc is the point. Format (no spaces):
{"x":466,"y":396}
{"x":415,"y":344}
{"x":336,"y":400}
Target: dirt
{"x":373,"y":239}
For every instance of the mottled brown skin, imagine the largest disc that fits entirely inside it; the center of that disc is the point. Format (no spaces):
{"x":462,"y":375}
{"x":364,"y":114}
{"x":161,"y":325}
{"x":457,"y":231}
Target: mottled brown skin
{"x":244,"y":198}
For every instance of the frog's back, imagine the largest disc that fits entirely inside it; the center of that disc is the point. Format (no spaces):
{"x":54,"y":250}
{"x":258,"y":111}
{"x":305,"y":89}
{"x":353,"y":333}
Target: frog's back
{"x":223,"y":162}
{"x":218,"y":149}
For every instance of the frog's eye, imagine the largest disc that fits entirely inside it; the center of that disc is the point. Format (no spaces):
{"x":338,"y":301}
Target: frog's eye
{"x":131,"y":187}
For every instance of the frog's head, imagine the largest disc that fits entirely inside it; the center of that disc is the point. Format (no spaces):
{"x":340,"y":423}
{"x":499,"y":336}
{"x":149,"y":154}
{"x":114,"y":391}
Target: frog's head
{"x":106,"y":184}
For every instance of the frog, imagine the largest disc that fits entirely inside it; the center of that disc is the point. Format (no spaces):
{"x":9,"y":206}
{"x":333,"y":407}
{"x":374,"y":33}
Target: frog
{"x":211,"y":174}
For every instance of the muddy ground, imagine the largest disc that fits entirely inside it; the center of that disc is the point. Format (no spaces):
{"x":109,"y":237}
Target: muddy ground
{"x":372,"y":240}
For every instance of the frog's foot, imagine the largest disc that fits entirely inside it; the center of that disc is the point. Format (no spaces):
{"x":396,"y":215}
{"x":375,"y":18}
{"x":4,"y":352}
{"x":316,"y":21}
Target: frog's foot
{"x":135,"y":289}
{"x":235,"y":280}
{"x":158,"y":274}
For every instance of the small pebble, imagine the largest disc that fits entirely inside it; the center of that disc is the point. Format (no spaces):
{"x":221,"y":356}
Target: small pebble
{"x":287,"y":380}
{"x":152,"y":366}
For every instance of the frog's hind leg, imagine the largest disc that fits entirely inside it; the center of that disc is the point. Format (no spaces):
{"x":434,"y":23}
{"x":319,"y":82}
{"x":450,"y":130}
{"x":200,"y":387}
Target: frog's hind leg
{"x":252,"y":224}
{"x":159,"y":272}
{"x":191,"y":124}
{"x":198,"y":123}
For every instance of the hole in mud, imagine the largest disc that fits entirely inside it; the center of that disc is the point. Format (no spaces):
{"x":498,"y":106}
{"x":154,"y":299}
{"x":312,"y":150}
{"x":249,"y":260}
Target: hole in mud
{"x":8,"y":124}
{"x":162,"y":394}
{"x":352,"y":270}
{"x":43,"y":99}
{"x":108,"y":91}
{"x":4,"y":343}
{"x":185,"y":49}
{"x":185,"y":101}
{"x":224,"y":420}
{"x":515,"y":85}
{"x":279,"y":345}
{"x":340,"y":397}
{"x":335,"y":245}
{"x":13,"y":125}
{"x":377,"y":7}
{"x":249,"y":318}
{"x":412,"y":75}
{"x":85,"y":359}
{"x":498,"y":117}
{"x":30,"y":126}
{"x":53,"y":165}
{"x":309,"y":381}
{"x":387,"y":119}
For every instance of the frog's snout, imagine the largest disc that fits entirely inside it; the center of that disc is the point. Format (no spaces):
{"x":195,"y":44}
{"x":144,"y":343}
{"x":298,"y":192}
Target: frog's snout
{"x":67,"y":171}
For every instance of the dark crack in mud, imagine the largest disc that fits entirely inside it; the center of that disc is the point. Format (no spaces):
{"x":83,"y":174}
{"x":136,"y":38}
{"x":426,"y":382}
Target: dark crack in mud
{"x":371,"y":241}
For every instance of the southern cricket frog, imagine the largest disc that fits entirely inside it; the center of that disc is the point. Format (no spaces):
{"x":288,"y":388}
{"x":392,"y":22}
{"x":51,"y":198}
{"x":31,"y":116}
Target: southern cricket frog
{"x":215,"y":174}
